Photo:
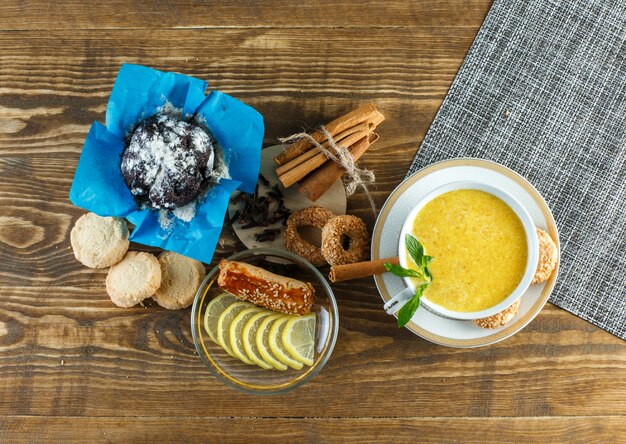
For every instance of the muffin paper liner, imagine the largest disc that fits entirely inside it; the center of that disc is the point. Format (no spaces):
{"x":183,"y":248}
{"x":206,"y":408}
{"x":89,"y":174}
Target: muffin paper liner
{"x":138,"y":93}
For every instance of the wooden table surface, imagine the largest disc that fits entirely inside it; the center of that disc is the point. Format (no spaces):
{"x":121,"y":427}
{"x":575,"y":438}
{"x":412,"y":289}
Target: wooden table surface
{"x":73,"y":367}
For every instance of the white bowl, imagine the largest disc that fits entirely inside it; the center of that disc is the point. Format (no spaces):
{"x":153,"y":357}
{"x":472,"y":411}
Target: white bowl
{"x":531,"y":240}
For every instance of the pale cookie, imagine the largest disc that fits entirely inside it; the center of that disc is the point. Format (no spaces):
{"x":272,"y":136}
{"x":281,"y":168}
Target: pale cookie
{"x":548,"y":256}
{"x":499,"y":319}
{"x":134,"y":279}
{"x":99,"y":242}
{"x":180,"y":278}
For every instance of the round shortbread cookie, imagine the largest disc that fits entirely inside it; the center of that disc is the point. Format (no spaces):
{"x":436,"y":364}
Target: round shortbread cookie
{"x":99,"y":242}
{"x":548,"y":256}
{"x":180,"y":278}
{"x":133,"y":279}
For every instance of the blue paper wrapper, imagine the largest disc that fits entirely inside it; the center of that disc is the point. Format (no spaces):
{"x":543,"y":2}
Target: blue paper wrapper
{"x":138,"y":93}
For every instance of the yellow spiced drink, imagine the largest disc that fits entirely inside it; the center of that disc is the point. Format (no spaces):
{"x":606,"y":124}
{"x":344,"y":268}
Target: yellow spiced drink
{"x":480,"y":249}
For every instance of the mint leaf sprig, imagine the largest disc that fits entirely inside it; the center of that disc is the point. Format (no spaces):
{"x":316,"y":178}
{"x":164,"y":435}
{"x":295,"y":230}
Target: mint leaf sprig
{"x":416,"y":251}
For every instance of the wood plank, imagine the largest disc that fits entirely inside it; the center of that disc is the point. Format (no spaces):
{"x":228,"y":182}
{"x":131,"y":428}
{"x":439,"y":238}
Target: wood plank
{"x":48,"y":108}
{"x":67,"y":350}
{"x":53,"y":85}
{"x":91,"y":371}
{"x":598,"y":429}
{"x":72,"y":14}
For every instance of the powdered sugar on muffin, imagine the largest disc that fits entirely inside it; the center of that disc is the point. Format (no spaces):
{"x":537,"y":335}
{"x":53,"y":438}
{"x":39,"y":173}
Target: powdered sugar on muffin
{"x":167,"y":160}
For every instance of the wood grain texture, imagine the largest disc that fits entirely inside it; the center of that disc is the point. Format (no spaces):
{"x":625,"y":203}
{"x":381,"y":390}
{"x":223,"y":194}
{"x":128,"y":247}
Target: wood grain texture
{"x":75,"y":367}
{"x":586,"y":430}
{"x":407,"y":73}
{"x":180,"y":14}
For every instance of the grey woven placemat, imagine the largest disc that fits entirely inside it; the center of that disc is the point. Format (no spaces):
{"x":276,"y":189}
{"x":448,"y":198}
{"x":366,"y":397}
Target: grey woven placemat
{"x":542,"y":91}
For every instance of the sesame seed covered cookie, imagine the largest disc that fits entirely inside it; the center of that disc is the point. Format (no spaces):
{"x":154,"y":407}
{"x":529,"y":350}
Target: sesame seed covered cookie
{"x":133,"y":279}
{"x":99,"y":242}
{"x":333,"y":233}
{"x":180,"y":278}
{"x":548,"y":256}
{"x":313,"y":216}
{"x":499,"y":319}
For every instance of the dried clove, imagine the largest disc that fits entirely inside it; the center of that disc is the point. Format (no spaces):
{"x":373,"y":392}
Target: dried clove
{"x":234,"y":217}
{"x":267,"y":235}
{"x":276,"y":189}
{"x":257,"y":210}
{"x":237,"y":198}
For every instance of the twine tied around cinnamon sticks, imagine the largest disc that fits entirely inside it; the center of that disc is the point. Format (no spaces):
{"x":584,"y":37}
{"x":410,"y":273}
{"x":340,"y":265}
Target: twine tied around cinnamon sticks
{"x":355,"y":177}
{"x":315,"y":161}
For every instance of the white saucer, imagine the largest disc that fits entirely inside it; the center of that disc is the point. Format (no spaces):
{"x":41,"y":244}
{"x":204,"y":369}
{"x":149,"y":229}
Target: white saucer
{"x":334,"y":199}
{"x":386,"y":235}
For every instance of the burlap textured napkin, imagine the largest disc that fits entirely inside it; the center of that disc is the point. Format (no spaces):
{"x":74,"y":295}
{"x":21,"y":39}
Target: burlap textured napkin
{"x":542,"y":91}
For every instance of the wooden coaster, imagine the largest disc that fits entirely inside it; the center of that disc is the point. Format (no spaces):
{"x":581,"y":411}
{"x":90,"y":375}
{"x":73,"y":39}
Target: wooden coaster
{"x":334,"y":199}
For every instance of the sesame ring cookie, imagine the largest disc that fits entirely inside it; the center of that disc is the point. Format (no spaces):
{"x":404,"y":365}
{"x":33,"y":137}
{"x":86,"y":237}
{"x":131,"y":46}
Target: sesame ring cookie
{"x":333,"y":235}
{"x":180,"y":278}
{"x":548,"y":256}
{"x":499,"y":319}
{"x":314,"y":216}
{"x":133,"y":279}
{"x":99,"y":242}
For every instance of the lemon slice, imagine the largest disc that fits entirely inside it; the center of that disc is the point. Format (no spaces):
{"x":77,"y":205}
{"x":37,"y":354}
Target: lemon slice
{"x":276,"y":343}
{"x":299,"y":338}
{"x":224,"y":321}
{"x":236,"y":333}
{"x":213,"y":310}
{"x":249,"y":339}
{"x":263,"y":342}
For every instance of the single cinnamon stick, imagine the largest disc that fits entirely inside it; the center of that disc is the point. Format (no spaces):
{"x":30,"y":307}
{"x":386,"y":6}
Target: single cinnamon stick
{"x":365,"y":126}
{"x":316,"y":184}
{"x":340,"y":124}
{"x":299,"y":172}
{"x":377,"y":119}
{"x":339,"y":273}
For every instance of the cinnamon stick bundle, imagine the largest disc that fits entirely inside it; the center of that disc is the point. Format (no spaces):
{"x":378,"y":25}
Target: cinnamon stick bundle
{"x":305,"y":163}
{"x":299,"y":172}
{"x":339,"y":140}
{"x":362,"y":114}
{"x":317,"y":183}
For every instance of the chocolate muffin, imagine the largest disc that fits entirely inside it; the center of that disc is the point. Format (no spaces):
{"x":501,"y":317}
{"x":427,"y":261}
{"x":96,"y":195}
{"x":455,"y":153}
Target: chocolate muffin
{"x":167,"y":161}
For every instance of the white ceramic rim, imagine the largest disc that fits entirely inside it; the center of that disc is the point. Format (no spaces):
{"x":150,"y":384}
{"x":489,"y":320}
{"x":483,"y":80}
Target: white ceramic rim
{"x":531,"y":241}
{"x":517,"y":324}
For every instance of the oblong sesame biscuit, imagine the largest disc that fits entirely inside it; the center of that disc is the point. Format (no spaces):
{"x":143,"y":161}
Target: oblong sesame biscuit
{"x":499,"y":319}
{"x":257,"y":285}
{"x":548,"y":257}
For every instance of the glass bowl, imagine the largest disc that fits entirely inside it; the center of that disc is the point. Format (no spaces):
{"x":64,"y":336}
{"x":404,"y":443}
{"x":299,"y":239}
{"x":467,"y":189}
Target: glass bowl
{"x":250,"y":378}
